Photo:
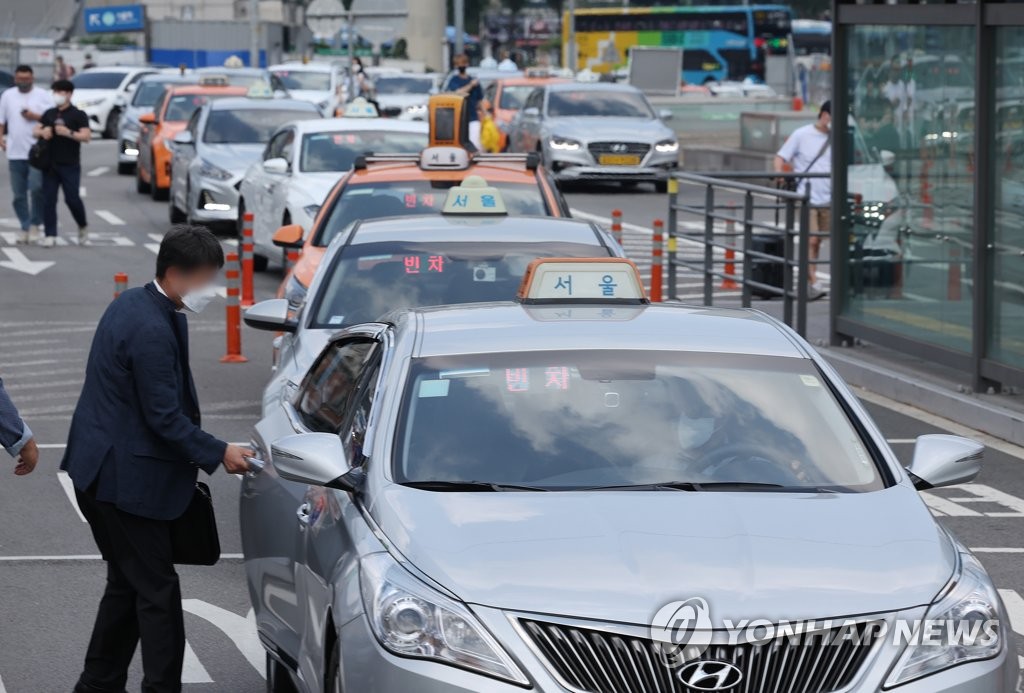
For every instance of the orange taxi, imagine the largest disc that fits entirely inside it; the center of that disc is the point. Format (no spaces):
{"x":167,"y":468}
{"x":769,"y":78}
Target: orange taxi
{"x":402,"y":184}
{"x":169,"y":117}
{"x":507,"y":96}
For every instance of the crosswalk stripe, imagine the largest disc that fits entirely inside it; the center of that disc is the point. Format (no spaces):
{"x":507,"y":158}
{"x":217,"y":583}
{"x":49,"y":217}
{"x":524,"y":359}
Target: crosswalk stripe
{"x":69,"y":491}
{"x":192,"y":670}
{"x":109,"y":217}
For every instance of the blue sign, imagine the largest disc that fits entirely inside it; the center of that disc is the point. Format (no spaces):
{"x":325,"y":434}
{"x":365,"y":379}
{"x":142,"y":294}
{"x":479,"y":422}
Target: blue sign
{"x":117,"y":18}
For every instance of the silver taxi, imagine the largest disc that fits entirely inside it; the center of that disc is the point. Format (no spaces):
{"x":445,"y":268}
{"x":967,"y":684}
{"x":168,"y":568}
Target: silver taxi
{"x":580,"y":491}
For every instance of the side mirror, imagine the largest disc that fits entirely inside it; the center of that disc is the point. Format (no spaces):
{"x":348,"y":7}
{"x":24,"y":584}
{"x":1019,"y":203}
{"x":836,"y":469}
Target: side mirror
{"x":289,"y":236}
{"x":132,"y":87}
{"x":944,"y":460}
{"x":271,"y":315}
{"x":276,"y":165}
{"x":531,"y":112}
{"x":315,"y":458}
{"x":888,"y":158}
{"x":665,"y":114}
{"x":148,"y":118}
{"x":184,"y":137}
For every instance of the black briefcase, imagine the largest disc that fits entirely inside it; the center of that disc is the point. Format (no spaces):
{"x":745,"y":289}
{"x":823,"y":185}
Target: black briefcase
{"x":194,"y":538}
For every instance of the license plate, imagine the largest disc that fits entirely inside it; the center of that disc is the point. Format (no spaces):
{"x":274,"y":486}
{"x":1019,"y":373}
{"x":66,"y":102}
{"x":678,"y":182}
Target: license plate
{"x":619,"y":160}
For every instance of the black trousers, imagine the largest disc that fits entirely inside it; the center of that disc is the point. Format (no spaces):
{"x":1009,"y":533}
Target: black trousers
{"x":69,"y":179}
{"x":142,"y":601}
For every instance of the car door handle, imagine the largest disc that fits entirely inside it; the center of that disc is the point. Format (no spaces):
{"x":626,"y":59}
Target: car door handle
{"x":303,"y":514}
{"x":256,"y":465}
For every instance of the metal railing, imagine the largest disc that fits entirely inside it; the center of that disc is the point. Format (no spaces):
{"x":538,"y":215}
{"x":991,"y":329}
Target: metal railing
{"x":761,"y":211}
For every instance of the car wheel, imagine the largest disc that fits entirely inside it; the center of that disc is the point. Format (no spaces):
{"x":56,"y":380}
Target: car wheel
{"x":241,"y":216}
{"x":124,"y":168}
{"x":176,"y":215}
{"x":260,"y":262}
{"x":661,"y":186}
{"x":113,"y":122}
{"x":278,"y":679}
{"x":333,"y":677}
{"x":141,"y":186}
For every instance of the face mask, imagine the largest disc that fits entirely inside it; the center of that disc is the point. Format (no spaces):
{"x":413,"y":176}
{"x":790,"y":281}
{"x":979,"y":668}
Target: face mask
{"x":24,"y":87}
{"x":462,"y":69}
{"x":694,"y":433}
{"x":60,"y":99}
{"x":196,"y":300}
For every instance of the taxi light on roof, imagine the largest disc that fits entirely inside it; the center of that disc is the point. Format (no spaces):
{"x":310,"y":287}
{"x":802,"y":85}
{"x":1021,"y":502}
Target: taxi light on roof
{"x":359,"y":108}
{"x":453,"y":158}
{"x":260,"y":90}
{"x":582,"y":280}
{"x":213,"y":81}
{"x":474,"y":196}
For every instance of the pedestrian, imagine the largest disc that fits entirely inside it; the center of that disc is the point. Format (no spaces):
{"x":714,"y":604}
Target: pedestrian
{"x":61,"y":70}
{"x":808,"y":150}
{"x":65,"y":128}
{"x":490,"y":135}
{"x":461,"y":82}
{"x":133,"y":453}
{"x":16,"y":437}
{"x":20,"y":109}
{"x":89,"y":62}
{"x":507,"y":64}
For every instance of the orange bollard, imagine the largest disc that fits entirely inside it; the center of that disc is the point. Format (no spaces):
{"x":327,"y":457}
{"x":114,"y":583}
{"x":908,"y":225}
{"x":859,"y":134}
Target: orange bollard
{"x":617,"y":225}
{"x":953,"y":277}
{"x":798,"y":103}
{"x":120,"y":283}
{"x":728,"y":283}
{"x":233,"y":313}
{"x":657,"y":261}
{"x":247,"y":259}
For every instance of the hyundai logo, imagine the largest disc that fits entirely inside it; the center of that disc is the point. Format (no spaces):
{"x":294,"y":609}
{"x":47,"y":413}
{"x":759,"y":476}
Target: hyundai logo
{"x":710,"y":675}
{"x":619,"y":147}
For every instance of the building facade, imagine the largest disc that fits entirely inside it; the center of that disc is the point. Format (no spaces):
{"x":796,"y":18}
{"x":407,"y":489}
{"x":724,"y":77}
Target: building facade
{"x":928,"y":162}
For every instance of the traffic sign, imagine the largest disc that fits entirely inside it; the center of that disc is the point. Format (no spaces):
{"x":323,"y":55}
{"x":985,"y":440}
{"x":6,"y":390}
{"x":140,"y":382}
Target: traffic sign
{"x":116,"y":18}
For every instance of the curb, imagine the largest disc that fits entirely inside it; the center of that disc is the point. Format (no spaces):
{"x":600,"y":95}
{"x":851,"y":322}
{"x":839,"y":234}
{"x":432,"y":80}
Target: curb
{"x":962,"y":408}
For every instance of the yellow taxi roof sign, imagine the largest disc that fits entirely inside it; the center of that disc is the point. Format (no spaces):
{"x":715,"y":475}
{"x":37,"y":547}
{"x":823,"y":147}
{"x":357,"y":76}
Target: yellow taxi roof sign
{"x":582,"y":280}
{"x":260,"y":89}
{"x":359,"y":108}
{"x":474,"y":196}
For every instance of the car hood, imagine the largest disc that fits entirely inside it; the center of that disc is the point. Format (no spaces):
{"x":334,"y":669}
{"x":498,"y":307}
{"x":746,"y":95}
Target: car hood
{"x":621,"y":556}
{"x":315,"y":186}
{"x":617,"y":129}
{"x":232,"y":157}
{"x":311,"y":95}
{"x":82,"y":95}
{"x":872,"y":183}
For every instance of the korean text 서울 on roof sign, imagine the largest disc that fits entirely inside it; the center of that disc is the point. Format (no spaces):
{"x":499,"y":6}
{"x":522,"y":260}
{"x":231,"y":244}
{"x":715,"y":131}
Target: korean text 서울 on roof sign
{"x":568,"y":280}
{"x":114,"y":18}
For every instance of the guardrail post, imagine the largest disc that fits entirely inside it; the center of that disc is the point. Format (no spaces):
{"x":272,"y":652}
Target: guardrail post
{"x":120,"y":283}
{"x":617,"y":225}
{"x":748,"y":241}
{"x":728,"y":283}
{"x":233,"y":313}
{"x":673,"y":242}
{"x":789,"y":241}
{"x":246,"y":244}
{"x":657,"y":258}
{"x":803,"y":252}
{"x":709,"y":251}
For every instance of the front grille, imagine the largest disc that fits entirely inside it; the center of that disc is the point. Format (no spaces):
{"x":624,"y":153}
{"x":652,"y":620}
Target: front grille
{"x":391,"y":111}
{"x":639,"y":148}
{"x":595,"y":661}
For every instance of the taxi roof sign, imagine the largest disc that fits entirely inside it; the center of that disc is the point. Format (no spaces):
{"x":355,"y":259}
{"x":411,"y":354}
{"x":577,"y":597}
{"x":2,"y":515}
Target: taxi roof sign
{"x":474,"y":196}
{"x":582,"y":280}
{"x":359,"y":107}
{"x":260,"y":89}
{"x":213,"y":81}
{"x":452,"y":158}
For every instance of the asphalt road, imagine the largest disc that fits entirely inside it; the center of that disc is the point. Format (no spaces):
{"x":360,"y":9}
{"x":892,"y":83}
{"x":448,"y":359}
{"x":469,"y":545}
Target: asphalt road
{"x":51,"y":578}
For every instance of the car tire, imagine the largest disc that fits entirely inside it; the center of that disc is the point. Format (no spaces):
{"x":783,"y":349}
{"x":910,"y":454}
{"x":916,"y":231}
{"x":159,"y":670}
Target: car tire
{"x":124,"y":169}
{"x":260,"y":262}
{"x":333,"y":673}
{"x":141,"y":186}
{"x":278,"y":678}
{"x":113,"y":123}
{"x":661,"y":186}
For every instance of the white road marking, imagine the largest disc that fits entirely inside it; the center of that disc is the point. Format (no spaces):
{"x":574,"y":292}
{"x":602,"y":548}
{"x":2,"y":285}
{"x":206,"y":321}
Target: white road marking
{"x":82,"y":191}
{"x":986,"y":494}
{"x":1015,"y":610}
{"x":10,"y":222}
{"x":901,"y":441}
{"x":43,"y":385}
{"x":17,"y":261}
{"x":98,"y":171}
{"x":2,"y":689}
{"x":940,"y":422}
{"x":153,"y":247}
{"x":941,"y":506}
{"x":11,"y":238}
{"x":69,"y":491}
{"x":90,"y":557}
{"x":997,"y":549}
{"x":193,"y":671}
{"x":241,"y":630}
{"x":109,"y":217}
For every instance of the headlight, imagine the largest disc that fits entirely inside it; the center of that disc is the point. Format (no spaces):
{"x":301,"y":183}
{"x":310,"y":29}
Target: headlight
{"x":962,"y":626}
{"x":418,"y":108}
{"x":412,"y":620}
{"x":208,"y":170}
{"x":88,"y":103}
{"x":311,"y":210}
{"x":667,"y":147}
{"x":563,"y":144}
{"x":295,"y":292}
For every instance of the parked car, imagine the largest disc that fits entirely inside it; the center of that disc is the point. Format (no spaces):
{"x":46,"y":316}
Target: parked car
{"x":149,"y":90}
{"x":318,"y":83}
{"x":405,"y":95}
{"x":104,"y":92}
{"x":219,"y":143}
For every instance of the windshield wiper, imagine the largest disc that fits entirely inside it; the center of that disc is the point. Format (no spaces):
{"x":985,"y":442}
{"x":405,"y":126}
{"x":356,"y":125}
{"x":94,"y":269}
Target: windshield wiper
{"x":700,"y":486}
{"x":440,"y":485}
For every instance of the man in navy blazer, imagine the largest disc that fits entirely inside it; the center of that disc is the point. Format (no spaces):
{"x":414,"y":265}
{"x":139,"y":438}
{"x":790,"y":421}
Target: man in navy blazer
{"x":133,"y":453}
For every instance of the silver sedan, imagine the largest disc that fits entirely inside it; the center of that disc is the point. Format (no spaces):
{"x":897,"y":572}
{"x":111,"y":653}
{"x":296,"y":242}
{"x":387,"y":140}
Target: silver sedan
{"x":583,"y":492}
{"x":596,"y":131}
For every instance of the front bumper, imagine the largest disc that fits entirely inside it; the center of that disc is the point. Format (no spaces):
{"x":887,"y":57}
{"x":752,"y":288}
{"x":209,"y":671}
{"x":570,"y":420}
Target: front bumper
{"x":216,"y":201}
{"x":582,"y":165}
{"x":97,"y":117}
{"x":128,"y":146}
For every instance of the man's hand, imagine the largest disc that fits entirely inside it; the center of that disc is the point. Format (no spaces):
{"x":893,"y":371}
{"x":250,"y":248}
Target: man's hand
{"x":63,"y":130}
{"x":27,"y":459}
{"x":46,"y":133}
{"x":31,"y":115}
{"x":234,"y":459}
{"x":3,"y":143}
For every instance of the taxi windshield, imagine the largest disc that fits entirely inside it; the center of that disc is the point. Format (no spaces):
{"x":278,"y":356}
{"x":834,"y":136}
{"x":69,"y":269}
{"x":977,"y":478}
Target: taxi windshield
{"x":402,"y":198}
{"x":403,"y":85}
{"x":592,"y":103}
{"x":182,"y":106}
{"x":149,"y":91}
{"x":632,"y":420}
{"x":249,"y":126}
{"x":335,"y":151}
{"x":308,"y":80}
{"x":512,"y":97}
{"x":371,"y":279}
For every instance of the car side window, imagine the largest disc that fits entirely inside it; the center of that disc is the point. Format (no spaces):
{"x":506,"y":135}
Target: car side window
{"x":354,"y":437}
{"x":326,"y":396}
{"x":158,"y":107}
{"x":193,"y":124}
{"x":491,"y":92}
{"x":287,"y":144}
{"x":275,"y":146}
